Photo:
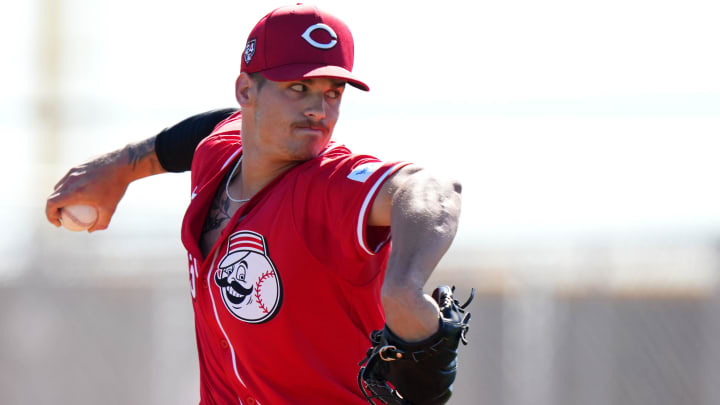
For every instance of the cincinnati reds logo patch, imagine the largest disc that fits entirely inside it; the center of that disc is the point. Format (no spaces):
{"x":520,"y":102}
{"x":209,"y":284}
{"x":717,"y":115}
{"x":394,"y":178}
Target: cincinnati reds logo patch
{"x":247,"y":279}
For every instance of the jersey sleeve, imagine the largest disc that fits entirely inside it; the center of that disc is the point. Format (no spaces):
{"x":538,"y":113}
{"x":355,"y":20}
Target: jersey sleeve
{"x":333,"y":207}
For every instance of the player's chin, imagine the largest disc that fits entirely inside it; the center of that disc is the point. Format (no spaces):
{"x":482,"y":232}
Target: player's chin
{"x":309,"y":151}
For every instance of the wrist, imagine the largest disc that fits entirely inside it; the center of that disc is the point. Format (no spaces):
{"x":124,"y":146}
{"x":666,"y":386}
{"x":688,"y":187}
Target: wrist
{"x":410,"y":314}
{"x":138,"y":160}
{"x":119,"y":165}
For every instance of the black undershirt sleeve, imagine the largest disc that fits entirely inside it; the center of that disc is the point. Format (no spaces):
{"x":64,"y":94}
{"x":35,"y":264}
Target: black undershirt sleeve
{"x":175,"y":146}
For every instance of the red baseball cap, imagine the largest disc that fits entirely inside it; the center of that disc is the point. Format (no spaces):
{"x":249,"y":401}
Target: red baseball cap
{"x":300,"y":42}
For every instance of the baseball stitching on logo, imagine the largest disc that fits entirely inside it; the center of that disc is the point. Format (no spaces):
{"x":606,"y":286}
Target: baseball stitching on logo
{"x":258,"y":286}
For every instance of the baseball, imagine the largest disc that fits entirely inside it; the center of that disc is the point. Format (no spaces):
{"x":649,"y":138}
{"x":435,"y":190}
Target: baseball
{"x":78,"y":217}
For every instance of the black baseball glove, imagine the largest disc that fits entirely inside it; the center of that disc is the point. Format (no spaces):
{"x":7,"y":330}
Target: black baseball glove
{"x":419,"y":373}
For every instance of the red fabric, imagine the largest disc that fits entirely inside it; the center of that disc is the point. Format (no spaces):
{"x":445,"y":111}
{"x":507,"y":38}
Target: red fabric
{"x":297,"y":337}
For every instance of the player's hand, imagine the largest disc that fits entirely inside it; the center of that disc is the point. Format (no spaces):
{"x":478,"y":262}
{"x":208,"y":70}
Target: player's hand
{"x":100,"y":182}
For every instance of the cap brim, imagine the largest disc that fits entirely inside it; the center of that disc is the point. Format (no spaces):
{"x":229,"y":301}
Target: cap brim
{"x":298,"y":72}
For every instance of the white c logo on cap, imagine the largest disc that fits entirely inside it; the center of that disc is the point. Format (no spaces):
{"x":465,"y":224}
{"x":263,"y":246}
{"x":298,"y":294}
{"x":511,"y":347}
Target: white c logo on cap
{"x":320,"y":26}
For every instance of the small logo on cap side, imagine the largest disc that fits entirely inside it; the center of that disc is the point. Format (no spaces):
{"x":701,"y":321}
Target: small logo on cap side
{"x":249,"y":51}
{"x":324,"y":27}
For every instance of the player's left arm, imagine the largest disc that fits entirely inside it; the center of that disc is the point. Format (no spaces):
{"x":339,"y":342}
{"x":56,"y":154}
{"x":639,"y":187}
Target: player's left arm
{"x":423,"y":211}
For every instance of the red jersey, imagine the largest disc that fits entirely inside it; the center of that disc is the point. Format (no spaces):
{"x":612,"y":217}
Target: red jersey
{"x":285,"y":301}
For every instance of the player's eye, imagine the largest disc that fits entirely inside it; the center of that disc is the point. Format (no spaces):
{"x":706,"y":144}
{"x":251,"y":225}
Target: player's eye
{"x":334,"y":94}
{"x":299,"y":87}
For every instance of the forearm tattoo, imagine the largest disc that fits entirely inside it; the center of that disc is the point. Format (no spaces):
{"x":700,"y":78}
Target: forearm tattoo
{"x":141,"y":150}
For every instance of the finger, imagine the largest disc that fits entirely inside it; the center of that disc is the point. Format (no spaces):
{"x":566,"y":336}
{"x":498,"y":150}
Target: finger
{"x":62,"y":198}
{"x":52,"y":211}
{"x":55,"y":221}
{"x":69,"y":180}
{"x":103,"y":221}
{"x":98,"y":227}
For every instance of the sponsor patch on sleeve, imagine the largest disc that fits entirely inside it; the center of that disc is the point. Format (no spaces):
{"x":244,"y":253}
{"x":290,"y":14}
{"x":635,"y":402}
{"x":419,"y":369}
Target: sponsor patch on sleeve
{"x":364,"y":171}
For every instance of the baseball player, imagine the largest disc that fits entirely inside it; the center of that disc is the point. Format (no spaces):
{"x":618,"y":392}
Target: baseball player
{"x":292,"y":275}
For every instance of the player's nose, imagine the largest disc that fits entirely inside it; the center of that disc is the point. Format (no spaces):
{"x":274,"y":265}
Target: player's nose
{"x":316,"y":108}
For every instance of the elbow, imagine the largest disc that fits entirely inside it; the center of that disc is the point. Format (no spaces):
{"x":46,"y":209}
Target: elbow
{"x":453,"y":191}
{"x":444,"y":193}
{"x":456,"y":201}
{"x":457,"y":187}
{"x":448,"y":207}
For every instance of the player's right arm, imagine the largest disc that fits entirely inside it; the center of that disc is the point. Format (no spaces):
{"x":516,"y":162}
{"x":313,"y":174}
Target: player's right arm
{"x":102,"y":181}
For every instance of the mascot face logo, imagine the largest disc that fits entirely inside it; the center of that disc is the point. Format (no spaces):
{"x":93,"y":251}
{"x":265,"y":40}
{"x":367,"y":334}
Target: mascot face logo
{"x":247,"y":279}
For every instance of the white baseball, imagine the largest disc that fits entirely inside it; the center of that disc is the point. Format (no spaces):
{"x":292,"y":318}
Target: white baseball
{"x":78,"y":217}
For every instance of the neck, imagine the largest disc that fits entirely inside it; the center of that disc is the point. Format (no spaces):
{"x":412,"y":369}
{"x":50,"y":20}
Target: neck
{"x":259,"y":166}
{"x":258,"y":171}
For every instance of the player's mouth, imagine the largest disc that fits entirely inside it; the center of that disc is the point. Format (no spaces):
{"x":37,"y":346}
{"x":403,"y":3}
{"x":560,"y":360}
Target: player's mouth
{"x":310,"y":131}
{"x":312,"y":128}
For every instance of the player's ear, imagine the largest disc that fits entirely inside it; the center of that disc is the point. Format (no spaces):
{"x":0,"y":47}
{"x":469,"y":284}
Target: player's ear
{"x":243,"y":87}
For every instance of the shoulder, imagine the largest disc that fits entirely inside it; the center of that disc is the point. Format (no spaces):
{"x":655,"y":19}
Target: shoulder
{"x":339,"y":159}
{"x":340,"y":169}
{"x":234,"y":121}
{"x":219,"y":149}
{"x":226,"y":132}
{"x":225,"y":138}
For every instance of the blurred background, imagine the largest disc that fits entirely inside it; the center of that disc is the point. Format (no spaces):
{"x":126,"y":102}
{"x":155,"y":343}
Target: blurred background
{"x":585,"y":133}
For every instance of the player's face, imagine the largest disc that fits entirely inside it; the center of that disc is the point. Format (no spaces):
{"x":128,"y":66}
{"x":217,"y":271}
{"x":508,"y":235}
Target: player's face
{"x":294,"y":120}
